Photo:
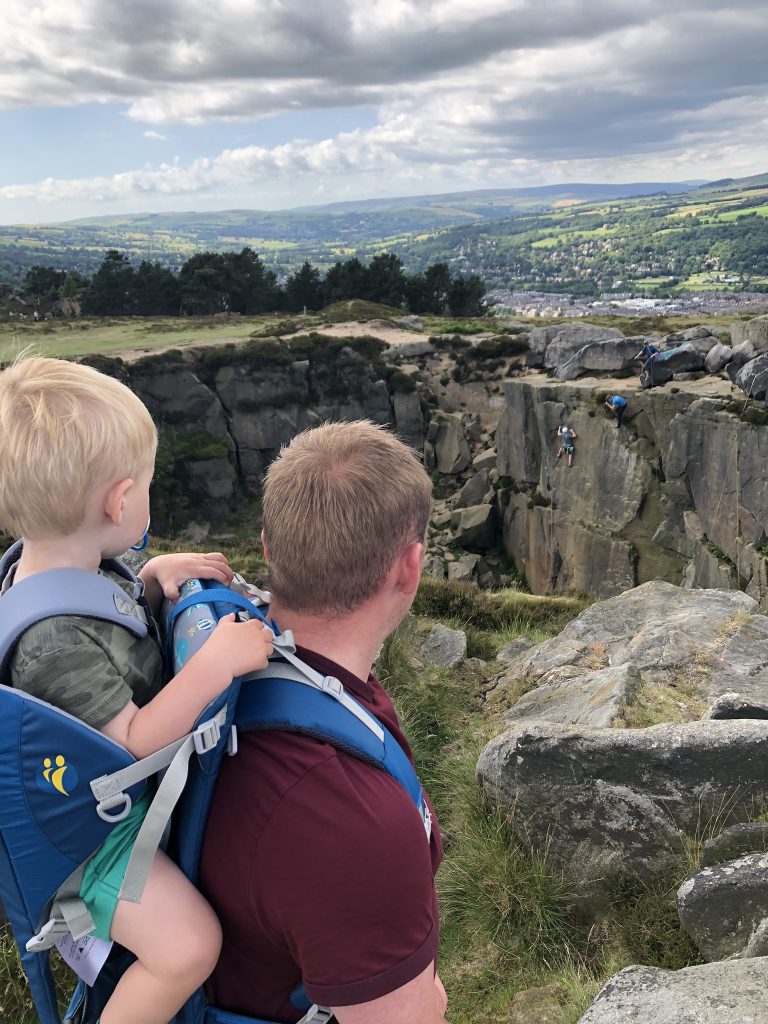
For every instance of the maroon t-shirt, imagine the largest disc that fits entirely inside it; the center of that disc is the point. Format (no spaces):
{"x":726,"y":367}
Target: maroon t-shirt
{"x":319,"y":869}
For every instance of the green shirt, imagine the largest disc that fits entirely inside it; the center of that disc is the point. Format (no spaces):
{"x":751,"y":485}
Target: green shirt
{"x":89,"y":668}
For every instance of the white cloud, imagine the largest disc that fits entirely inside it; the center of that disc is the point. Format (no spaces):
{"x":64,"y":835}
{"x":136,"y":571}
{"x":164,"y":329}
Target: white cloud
{"x":468,"y":92}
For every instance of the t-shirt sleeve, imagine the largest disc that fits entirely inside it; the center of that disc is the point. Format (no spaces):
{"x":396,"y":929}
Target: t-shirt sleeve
{"x":64,"y":663}
{"x":348,"y":883}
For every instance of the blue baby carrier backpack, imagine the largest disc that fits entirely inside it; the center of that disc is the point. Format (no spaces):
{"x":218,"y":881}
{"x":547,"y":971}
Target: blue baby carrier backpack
{"x":64,"y":786}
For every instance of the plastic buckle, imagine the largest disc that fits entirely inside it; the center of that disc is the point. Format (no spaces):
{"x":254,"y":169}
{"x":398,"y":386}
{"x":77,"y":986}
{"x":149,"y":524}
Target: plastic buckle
{"x":332,"y":687}
{"x":47,"y":936}
{"x":249,"y":590}
{"x":206,"y":736}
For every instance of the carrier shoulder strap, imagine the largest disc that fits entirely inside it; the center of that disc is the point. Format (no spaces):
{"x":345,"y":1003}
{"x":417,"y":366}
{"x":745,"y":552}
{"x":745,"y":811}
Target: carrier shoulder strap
{"x":294,"y":698}
{"x":67,"y":592}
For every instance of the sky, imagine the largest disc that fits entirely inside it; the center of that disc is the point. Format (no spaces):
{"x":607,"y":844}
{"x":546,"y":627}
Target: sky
{"x":126,"y":106}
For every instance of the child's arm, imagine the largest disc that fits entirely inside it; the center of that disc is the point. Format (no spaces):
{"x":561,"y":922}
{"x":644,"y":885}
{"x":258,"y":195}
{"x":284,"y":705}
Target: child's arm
{"x":163,"y":574}
{"x":233,"y":649}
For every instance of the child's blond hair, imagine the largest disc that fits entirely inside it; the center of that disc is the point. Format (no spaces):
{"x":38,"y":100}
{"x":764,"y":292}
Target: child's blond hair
{"x":340,"y":503}
{"x":65,"y":430}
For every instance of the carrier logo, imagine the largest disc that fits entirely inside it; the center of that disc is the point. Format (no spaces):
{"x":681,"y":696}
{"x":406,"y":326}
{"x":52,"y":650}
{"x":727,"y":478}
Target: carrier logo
{"x":58,"y":774}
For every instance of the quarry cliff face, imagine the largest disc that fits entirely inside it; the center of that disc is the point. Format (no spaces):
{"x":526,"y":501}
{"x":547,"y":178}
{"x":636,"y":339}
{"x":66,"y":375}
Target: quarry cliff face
{"x":678,"y":493}
{"x":223,"y":414}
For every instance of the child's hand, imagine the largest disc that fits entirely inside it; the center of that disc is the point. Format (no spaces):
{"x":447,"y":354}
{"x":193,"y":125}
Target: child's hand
{"x":241,"y":646}
{"x":170,"y":571}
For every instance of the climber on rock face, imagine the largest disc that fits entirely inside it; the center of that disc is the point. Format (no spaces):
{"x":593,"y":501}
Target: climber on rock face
{"x":618,"y":406}
{"x":567,"y":436}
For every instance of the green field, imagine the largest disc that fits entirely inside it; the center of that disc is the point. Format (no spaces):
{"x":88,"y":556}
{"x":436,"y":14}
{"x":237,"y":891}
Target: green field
{"x":129,"y":334}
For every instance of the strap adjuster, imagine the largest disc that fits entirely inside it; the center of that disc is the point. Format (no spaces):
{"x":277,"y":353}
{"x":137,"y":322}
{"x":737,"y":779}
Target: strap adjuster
{"x":332,"y":687}
{"x":206,"y":736}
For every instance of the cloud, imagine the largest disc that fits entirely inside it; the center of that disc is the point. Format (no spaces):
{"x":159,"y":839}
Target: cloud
{"x":467,"y":91}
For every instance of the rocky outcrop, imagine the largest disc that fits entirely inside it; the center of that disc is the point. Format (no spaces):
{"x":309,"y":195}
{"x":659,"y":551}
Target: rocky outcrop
{"x":717,"y":357}
{"x":736,"y":705}
{"x":452,"y":453}
{"x":657,"y":499}
{"x":609,"y":355}
{"x":722,"y":993}
{"x":224,"y":413}
{"x":678,"y":493}
{"x":685,"y":358}
{"x":597,"y":698}
{"x":556,"y":345}
{"x":752,"y":378}
{"x":712,"y":641}
{"x":610,"y":801}
{"x":605,"y":799}
{"x":754,"y":331}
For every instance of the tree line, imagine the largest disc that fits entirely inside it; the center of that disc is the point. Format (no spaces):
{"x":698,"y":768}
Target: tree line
{"x":238,"y":282}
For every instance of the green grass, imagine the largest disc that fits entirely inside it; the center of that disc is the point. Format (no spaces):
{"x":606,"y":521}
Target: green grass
{"x":502,"y":614}
{"x":15,"y":1000}
{"x":127,"y":334}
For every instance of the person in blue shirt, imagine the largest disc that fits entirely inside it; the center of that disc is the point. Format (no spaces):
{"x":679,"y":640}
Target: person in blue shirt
{"x":648,"y":354}
{"x":618,"y":406}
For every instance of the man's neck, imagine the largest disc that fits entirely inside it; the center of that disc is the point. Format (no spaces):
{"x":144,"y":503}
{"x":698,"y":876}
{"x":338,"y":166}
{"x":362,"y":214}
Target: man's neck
{"x":352,"y":640}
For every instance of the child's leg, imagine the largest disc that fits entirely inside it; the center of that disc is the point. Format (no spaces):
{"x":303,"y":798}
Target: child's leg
{"x":176,"y":937}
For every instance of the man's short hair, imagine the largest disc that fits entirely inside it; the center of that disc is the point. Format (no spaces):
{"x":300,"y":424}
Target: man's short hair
{"x":340,"y":503}
{"x":66,"y":429}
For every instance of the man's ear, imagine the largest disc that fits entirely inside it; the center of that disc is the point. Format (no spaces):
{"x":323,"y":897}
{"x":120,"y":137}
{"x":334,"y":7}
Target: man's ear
{"x":114,"y":501}
{"x":264,"y":545}
{"x":410,"y":564}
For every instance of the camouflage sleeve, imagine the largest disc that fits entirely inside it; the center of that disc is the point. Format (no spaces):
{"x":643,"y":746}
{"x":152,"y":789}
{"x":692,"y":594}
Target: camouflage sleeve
{"x":66,"y":662}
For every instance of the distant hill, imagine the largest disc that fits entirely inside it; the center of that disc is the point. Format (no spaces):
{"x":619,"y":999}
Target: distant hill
{"x":573,"y":236}
{"x":500,"y":200}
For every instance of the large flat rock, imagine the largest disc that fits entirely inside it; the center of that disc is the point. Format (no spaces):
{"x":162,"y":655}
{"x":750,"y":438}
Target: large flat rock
{"x":723,"y":993}
{"x":596,"y":698}
{"x":607,"y":801}
{"x":715,"y":639}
